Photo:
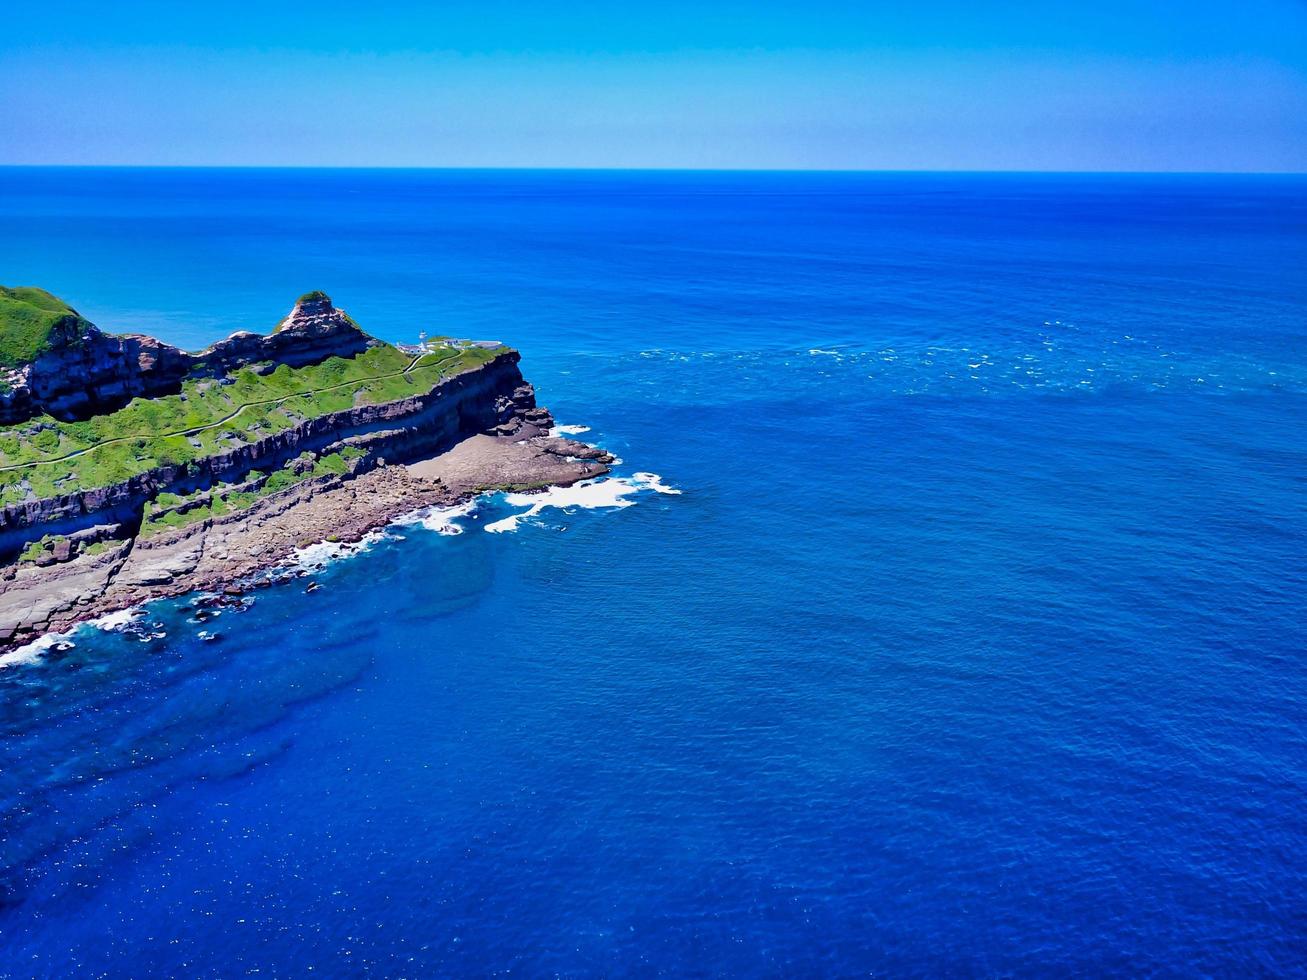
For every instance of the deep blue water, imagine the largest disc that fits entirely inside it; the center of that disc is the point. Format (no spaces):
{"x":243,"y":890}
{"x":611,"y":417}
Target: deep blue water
{"x":975,"y":642}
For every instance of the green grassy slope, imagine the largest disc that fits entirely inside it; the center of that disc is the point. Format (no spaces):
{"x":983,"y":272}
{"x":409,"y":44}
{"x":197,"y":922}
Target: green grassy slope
{"x":44,"y":457}
{"x":27,"y":317}
{"x":166,"y":510}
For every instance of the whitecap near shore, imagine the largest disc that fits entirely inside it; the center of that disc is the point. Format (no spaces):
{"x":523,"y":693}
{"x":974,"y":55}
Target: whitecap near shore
{"x":316,"y":557}
{"x":442,"y":520}
{"x":654,"y":482}
{"x":30,"y":653}
{"x":605,"y":492}
{"x":568,"y":430}
{"x":115,"y":621}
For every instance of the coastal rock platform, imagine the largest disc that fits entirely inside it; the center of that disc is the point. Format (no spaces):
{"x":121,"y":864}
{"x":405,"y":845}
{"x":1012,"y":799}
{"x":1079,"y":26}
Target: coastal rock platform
{"x":228,"y":554}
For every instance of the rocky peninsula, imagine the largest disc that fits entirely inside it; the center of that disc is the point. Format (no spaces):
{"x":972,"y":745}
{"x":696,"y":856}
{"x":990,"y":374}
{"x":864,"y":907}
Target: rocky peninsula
{"x":131,"y":470}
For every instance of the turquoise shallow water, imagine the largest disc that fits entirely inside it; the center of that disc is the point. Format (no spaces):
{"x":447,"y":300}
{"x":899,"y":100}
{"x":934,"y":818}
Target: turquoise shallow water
{"x":973,"y":641}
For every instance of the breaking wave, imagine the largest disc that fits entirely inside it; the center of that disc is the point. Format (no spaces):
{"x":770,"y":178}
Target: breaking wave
{"x":34,"y":652}
{"x":442,"y":520}
{"x":316,"y":557}
{"x":605,"y":492}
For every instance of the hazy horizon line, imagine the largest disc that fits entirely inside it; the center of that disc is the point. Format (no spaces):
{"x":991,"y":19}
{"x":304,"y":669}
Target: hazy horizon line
{"x":653,"y":169}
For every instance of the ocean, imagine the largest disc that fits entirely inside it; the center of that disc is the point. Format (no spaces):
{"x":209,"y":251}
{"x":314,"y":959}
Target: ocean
{"x":972,"y":643}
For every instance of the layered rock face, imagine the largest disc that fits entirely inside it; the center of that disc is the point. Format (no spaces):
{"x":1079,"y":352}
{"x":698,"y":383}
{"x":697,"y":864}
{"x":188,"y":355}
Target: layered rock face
{"x":314,"y":331}
{"x":491,"y":398}
{"x":89,"y":372}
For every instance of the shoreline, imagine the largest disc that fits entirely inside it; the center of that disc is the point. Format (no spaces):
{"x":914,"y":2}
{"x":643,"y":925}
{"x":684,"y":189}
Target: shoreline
{"x":241,"y":552}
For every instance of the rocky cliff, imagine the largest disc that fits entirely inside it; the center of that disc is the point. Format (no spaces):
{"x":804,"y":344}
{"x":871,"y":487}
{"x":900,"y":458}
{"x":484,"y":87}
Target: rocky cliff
{"x":491,"y":398}
{"x":83,"y":371}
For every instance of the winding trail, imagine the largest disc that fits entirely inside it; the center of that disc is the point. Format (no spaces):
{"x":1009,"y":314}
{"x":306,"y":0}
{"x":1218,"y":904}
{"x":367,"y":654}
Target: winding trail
{"x":406,"y":373}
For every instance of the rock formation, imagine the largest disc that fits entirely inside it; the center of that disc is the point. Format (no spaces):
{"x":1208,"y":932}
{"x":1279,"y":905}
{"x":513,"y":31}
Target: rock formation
{"x":85,"y":371}
{"x":85,"y":550}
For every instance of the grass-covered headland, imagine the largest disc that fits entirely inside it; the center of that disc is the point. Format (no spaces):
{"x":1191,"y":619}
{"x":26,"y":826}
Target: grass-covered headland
{"x":44,"y":457}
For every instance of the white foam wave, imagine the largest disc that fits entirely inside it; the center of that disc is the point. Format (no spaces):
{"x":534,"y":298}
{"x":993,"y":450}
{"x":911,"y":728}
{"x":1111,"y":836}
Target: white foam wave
{"x":30,"y":653}
{"x":606,"y":492}
{"x":654,"y":482}
{"x":439,"y":519}
{"x":316,"y":557}
{"x":117,"y":621}
{"x":568,"y":430}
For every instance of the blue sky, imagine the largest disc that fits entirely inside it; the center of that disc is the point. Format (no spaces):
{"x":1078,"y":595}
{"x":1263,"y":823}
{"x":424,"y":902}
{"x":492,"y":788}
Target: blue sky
{"x":935,"y":84}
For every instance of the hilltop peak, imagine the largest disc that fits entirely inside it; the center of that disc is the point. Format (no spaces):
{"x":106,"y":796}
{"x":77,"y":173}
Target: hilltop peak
{"x":315,"y":298}
{"x":314,"y":314}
